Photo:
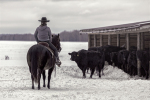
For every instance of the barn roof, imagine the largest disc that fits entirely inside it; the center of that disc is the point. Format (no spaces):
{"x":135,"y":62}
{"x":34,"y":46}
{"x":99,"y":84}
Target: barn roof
{"x":117,"y":27}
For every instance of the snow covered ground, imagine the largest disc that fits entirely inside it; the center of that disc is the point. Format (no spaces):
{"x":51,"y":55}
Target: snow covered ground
{"x":15,"y":81}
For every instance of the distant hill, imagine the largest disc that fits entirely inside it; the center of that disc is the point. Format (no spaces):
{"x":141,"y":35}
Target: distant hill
{"x":64,"y":36}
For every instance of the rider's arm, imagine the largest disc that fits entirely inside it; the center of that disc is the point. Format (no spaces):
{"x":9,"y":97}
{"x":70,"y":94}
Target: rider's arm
{"x":35,"y":35}
{"x":50,"y":35}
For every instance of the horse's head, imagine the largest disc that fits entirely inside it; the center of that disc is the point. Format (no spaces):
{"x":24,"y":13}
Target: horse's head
{"x":56,"y":42}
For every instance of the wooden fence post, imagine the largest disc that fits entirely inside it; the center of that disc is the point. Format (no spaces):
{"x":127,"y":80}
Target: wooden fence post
{"x":149,"y":61}
{"x":89,"y":41}
{"x":118,"y":39}
{"x":127,"y":41}
{"x":109,"y":39}
{"x":142,"y":41}
{"x":138,"y":61}
{"x":101,"y":40}
{"x":94,"y":40}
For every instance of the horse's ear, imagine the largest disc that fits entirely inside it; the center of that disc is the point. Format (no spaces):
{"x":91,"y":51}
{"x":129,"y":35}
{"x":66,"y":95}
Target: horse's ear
{"x":58,"y":35}
{"x":52,"y":35}
{"x":69,"y":53}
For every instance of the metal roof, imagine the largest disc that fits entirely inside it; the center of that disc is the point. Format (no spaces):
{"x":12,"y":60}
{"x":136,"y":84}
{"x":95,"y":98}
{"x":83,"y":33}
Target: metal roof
{"x":117,"y":27}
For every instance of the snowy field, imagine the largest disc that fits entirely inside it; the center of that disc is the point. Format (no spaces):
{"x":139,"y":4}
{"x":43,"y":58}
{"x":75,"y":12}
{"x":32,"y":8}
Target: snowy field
{"x":15,"y":81}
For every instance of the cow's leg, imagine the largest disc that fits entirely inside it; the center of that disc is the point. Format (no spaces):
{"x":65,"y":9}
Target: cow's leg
{"x":92,"y":72}
{"x":32,"y":81}
{"x":131,"y":70}
{"x":87,"y":69}
{"x":39,"y":71}
{"x":146,"y":74}
{"x":102,"y":68}
{"x":44,"y":77}
{"x":99,"y":69}
{"x":49,"y":76}
{"x":135,"y":69}
{"x":110,"y":63}
{"x":124,"y":67}
{"x":127,"y":69}
{"x":146,"y":71}
{"x":119,"y":65}
{"x":83,"y":71}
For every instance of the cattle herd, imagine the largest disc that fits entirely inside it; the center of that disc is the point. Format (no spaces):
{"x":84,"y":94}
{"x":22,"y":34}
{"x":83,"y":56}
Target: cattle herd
{"x":95,"y":57}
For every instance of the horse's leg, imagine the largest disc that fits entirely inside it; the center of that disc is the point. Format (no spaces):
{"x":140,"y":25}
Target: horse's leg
{"x":49,"y":76}
{"x":39,"y":77}
{"x":44,"y":77}
{"x":32,"y":81}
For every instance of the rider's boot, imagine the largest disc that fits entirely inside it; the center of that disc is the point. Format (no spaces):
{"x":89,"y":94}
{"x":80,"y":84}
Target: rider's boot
{"x":58,"y":62}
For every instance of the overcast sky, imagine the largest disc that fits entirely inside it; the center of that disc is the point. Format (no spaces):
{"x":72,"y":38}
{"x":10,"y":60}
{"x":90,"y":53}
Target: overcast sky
{"x":21,"y":16}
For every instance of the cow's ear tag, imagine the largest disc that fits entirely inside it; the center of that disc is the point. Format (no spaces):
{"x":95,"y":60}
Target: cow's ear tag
{"x":77,"y":55}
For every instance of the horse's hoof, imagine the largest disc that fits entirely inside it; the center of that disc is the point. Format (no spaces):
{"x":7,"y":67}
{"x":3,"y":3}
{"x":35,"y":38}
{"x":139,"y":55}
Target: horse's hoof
{"x":84,"y":77}
{"x":39,"y":88}
{"x":32,"y":87}
{"x":48,"y":86}
{"x":44,"y":85}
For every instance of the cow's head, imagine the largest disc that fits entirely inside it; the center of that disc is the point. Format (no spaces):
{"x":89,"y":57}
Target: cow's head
{"x":133,"y":58}
{"x":123,"y":55}
{"x":113,"y":55}
{"x":74,"y":55}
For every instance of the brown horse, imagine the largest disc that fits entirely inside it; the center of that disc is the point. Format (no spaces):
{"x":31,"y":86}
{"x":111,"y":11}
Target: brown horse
{"x":39,"y":59}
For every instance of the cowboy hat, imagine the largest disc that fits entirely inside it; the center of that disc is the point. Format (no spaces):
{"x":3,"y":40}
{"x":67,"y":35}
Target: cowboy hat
{"x":43,"y":19}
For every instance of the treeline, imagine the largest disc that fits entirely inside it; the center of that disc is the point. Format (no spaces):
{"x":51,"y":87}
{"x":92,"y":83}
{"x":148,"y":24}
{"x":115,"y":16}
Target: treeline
{"x":64,"y":36}
{"x":17,"y":37}
{"x":73,"y":36}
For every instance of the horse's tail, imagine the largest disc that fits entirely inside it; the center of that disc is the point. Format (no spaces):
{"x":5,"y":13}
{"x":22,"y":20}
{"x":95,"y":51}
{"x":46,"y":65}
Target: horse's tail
{"x":34,"y":65}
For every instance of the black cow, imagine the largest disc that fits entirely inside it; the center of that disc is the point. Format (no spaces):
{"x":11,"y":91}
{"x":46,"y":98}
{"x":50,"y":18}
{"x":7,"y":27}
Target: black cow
{"x":108,"y":49}
{"x":122,"y":59}
{"x":143,"y":56}
{"x":85,"y":59}
{"x":102,"y":63}
{"x":80,"y":58}
{"x":132,"y":63}
{"x":113,"y":57}
{"x":102,"y":58}
{"x":99,"y":49}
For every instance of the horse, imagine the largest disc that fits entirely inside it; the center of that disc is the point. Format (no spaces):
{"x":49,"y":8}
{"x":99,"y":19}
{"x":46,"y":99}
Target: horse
{"x":39,"y":59}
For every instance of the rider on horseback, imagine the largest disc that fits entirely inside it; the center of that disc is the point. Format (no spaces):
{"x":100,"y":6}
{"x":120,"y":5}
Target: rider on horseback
{"x":43,"y":34}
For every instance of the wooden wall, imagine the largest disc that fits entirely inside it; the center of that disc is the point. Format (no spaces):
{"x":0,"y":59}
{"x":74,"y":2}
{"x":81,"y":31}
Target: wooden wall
{"x":123,"y":39}
{"x":133,"y":39}
{"x":97,"y":40}
{"x":146,"y":39}
{"x":105,"y":40}
{"x":114,"y":40}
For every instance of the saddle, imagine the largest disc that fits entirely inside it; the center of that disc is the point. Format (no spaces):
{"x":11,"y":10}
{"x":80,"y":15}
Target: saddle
{"x":46,"y":45}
